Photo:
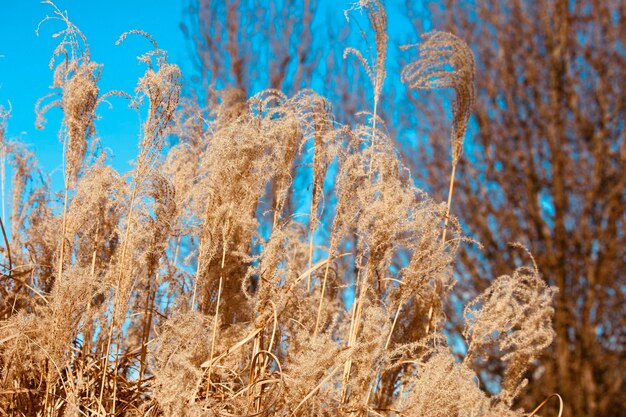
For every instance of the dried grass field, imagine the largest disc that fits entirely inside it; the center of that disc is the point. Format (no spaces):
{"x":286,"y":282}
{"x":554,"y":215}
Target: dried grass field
{"x":259,"y":259}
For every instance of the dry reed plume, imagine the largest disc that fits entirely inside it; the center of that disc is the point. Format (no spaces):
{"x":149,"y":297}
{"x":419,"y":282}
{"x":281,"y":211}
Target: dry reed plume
{"x":212,"y":280}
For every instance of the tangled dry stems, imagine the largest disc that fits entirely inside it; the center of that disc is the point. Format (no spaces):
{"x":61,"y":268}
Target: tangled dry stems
{"x":194,"y":288}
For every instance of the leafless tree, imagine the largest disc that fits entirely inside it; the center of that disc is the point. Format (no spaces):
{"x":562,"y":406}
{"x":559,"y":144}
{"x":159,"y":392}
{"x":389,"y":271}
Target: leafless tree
{"x":546,"y":166}
{"x":252,"y":45}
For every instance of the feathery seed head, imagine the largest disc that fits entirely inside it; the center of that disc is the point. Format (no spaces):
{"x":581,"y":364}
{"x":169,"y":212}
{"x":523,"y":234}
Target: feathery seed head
{"x":446,"y":62}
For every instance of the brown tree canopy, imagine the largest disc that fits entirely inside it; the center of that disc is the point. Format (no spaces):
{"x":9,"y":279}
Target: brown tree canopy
{"x":544,"y":163}
{"x":546,"y":166}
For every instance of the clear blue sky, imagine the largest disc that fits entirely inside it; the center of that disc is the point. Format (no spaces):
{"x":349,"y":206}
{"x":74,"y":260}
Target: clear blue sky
{"x":25,"y":75}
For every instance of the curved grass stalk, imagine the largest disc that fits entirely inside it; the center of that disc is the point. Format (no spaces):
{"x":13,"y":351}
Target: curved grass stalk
{"x":544,"y":402}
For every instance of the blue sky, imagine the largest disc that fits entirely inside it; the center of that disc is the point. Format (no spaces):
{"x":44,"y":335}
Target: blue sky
{"x":25,"y":75}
